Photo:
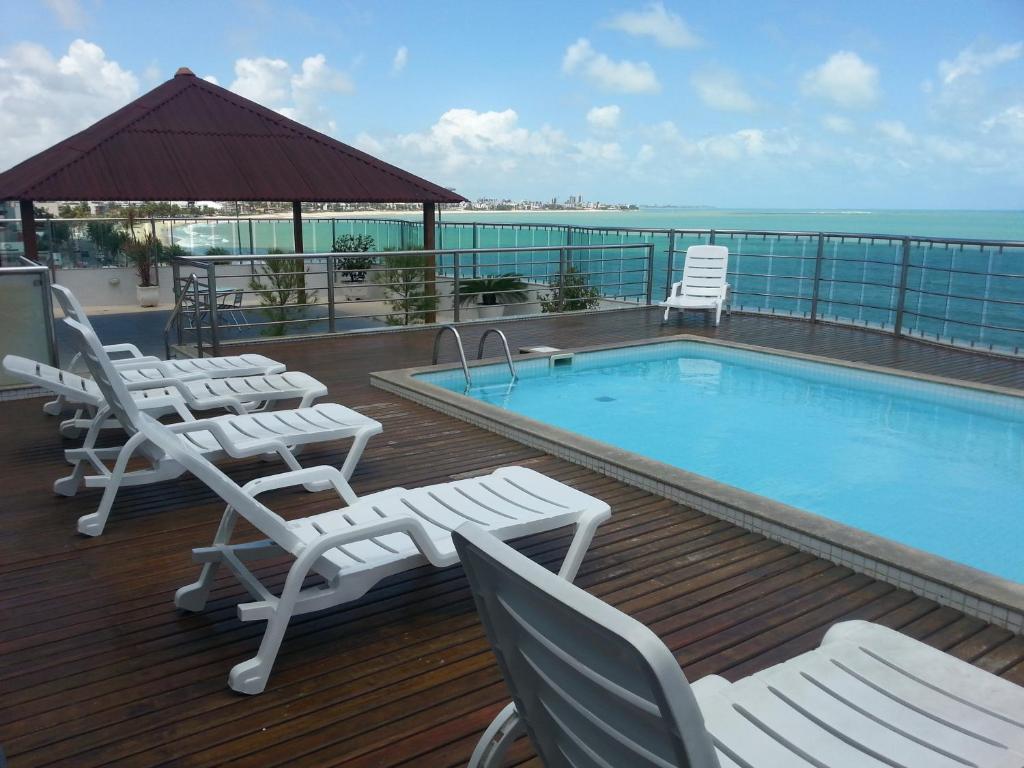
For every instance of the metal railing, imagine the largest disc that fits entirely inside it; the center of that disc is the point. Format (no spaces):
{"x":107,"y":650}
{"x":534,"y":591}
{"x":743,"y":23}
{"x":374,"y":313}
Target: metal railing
{"x":26,"y":313}
{"x":960,"y":292}
{"x":225,"y":297}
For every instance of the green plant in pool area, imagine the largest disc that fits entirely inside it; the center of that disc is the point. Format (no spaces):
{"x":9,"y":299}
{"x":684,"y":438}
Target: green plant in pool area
{"x":281,"y":287}
{"x":143,"y":255}
{"x":216,"y":250}
{"x":108,"y":237}
{"x":403,"y":276}
{"x":576,"y":293}
{"x":507,"y":288}
{"x":355,"y":267}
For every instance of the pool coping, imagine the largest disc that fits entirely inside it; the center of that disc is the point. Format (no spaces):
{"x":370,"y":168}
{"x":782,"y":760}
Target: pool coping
{"x":971,"y":590}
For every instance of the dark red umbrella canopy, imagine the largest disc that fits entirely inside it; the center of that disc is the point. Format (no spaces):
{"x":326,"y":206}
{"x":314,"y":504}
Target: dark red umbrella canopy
{"x":189,"y":139}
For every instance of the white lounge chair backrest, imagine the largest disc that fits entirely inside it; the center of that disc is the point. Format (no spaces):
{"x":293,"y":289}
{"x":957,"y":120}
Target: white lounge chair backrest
{"x":172,"y":445}
{"x":594,"y":687}
{"x":704,"y":272}
{"x":106,"y":377}
{"x":72,"y":308}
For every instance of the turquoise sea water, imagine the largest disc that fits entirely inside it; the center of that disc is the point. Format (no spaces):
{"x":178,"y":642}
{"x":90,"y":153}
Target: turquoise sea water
{"x":934,"y":467}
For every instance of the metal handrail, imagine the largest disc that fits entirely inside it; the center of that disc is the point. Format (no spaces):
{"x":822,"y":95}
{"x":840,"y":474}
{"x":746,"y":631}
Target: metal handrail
{"x":458,"y":342}
{"x":193,"y":281}
{"x":504,"y":343}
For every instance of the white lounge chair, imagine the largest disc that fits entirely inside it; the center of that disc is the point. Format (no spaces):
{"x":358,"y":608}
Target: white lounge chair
{"x":594,"y":688}
{"x":704,"y":283}
{"x":247,"y":394}
{"x":370,"y":538}
{"x":137,"y":367}
{"x":258,"y":434}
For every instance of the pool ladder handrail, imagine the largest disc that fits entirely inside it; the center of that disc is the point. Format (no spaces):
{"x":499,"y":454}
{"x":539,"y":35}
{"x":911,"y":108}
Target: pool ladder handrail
{"x":504,"y":344}
{"x":480,"y":350}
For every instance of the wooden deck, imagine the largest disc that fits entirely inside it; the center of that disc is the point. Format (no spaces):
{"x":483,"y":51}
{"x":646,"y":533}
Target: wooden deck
{"x":98,"y":668}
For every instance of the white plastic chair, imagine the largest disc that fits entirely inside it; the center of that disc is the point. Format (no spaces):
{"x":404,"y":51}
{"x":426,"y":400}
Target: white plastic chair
{"x":238,"y":436}
{"x":138,"y":367}
{"x":158,"y":397}
{"x":368,"y":539}
{"x":704,"y":285}
{"x":594,"y":688}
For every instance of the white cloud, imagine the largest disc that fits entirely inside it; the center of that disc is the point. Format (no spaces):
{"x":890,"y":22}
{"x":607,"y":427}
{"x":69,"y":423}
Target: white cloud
{"x":588,"y":151}
{"x":837,"y":124}
{"x":721,"y":89}
{"x":44,"y":99}
{"x":1010,"y":121}
{"x":263,"y":80}
{"x":845,"y":79}
{"x":211,"y":79}
{"x":400,"y":60}
{"x":748,"y":142}
{"x":466,"y":137}
{"x":895,"y":131}
{"x":69,"y":13}
{"x":623,"y":76}
{"x":972,"y":61}
{"x":604,"y":118}
{"x":297,"y":95}
{"x":664,"y":27}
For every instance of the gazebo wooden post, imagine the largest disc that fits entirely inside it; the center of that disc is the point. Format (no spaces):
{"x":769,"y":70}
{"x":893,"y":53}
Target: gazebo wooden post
{"x":430,"y":270}
{"x":297,"y":225}
{"x":28,"y":229}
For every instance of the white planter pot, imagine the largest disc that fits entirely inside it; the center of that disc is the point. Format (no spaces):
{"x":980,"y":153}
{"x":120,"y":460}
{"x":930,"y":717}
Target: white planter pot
{"x":148,"y":296}
{"x":490,"y":311}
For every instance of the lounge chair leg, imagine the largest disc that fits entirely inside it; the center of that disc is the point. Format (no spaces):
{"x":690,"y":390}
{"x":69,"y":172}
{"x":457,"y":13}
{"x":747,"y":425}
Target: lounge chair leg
{"x":251,"y":675}
{"x":718,"y":315}
{"x":664,"y":318}
{"x":68,"y":486}
{"x":93,"y":524}
{"x":54,"y":407}
{"x":579,"y":545}
{"x":355,"y":453}
{"x":503,"y":730}
{"x":193,"y":597}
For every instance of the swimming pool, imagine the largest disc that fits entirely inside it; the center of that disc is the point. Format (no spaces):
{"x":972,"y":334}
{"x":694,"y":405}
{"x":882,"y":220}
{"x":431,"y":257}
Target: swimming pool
{"x":935,"y":467}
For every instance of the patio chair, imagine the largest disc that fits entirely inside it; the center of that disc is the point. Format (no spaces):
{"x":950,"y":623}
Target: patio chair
{"x":138,"y":367}
{"x":594,"y":688}
{"x":279,"y":433}
{"x":368,"y":539}
{"x":230,"y":305}
{"x":240,"y":395}
{"x":704,"y":283}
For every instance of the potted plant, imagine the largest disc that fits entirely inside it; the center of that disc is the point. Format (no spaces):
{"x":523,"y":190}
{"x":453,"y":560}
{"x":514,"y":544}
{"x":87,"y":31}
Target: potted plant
{"x":142,"y":254}
{"x":491,"y":294}
{"x":353,"y":266}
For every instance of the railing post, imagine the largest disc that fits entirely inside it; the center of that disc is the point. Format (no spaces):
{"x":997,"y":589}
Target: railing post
{"x":650,"y":274}
{"x":711,"y":237}
{"x":197,"y":316}
{"x":671,"y":261}
{"x":476,"y":245}
{"x":902,"y":296}
{"x":815,"y":285}
{"x":252,"y":241}
{"x":561,"y":278}
{"x":176,"y":289}
{"x":455,"y":286}
{"x":329,"y":260}
{"x":211,"y":290}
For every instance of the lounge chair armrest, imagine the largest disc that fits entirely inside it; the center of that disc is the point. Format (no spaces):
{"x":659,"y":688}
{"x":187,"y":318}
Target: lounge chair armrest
{"x":224,"y":440}
{"x":408,"y":525}
{"x":129,"y":349}
{"x":306,"y":476}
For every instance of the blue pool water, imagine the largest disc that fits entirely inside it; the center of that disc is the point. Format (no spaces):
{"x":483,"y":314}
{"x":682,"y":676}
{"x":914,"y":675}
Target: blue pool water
{"x":936,"y":467}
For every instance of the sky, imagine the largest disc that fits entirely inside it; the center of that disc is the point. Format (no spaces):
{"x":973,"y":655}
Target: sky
{"x":775,"y":104}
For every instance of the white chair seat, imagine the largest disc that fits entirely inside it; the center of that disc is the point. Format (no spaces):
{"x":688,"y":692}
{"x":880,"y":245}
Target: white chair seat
{"x":883,"y":692}
{"x":690,"y":302}
{"x":511,"y":502}
{"x":210,"y":367}
{"x":299,"y":426}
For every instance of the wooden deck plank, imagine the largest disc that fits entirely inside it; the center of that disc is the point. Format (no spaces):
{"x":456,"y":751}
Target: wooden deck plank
{"x":97,"y":668}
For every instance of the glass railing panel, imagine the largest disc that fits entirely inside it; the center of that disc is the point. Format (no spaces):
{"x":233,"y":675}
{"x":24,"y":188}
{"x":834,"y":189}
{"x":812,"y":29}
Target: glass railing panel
{"x":25,"y":316}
